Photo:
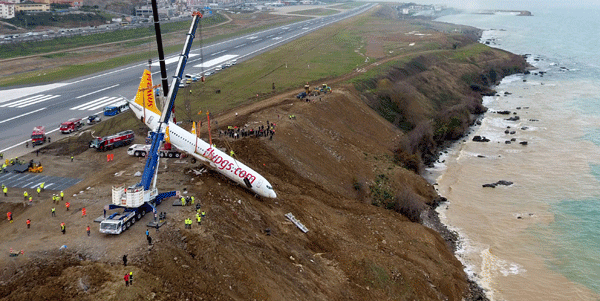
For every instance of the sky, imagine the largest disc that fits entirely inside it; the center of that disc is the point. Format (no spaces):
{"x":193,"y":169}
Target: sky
{"x":506,"y":4}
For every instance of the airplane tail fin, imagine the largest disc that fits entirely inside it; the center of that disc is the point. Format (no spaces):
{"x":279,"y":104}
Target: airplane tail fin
{"x":145,"y":93}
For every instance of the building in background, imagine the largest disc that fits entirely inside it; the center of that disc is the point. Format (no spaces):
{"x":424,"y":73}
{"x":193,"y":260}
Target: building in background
{"x":7,"y":10}
{"x":31,"y":7}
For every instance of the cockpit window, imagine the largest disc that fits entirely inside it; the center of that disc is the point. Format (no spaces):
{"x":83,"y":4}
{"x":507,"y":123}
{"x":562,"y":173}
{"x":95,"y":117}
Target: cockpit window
{"x":269,"y":187}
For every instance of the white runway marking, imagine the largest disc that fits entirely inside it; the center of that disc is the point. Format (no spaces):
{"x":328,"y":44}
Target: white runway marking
{"x":97,"y":103}
{"x":29,"y":101}
{"x":9,"y":119}
{"x":172,"y":60}
{"x":217,"y":61}
{"x":84,"y":95}
{"x":8,"y":95}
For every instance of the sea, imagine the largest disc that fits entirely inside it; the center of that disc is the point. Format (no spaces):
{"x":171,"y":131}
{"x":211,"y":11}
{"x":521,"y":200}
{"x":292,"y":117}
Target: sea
{"x":539,"y":237}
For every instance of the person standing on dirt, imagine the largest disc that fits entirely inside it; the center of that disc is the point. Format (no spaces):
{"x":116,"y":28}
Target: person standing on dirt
{"x":87,"y":229}
{"x":125,"y":260}
{"x":53,"y":212}
{"x":147,"y":232}
{"x":63,"y":228}
{"x":38,"y":191}
{"x":25,"y":196}
{"x":126,"y":277}
{"x":62,"y":196}
{"x":130,"y":278}
{"x":9,"y":216}
{"x":67,"y":204}
{"x":28,"y":222}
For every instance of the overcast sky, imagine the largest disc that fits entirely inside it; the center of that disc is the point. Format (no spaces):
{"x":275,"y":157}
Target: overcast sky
{"x":507,"y":4}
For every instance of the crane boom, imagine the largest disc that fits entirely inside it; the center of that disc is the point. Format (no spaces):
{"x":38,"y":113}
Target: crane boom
{"x":153,"y":156}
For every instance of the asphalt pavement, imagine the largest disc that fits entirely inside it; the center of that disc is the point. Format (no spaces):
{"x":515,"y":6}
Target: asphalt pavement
{"x":21,"y":109}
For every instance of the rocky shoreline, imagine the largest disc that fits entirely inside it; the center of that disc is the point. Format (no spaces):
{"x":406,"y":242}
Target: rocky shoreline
{"x":430,"y":218}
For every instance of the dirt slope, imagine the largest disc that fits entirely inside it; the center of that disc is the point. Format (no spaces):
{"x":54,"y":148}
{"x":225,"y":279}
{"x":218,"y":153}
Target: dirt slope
{"x":319,"y":163}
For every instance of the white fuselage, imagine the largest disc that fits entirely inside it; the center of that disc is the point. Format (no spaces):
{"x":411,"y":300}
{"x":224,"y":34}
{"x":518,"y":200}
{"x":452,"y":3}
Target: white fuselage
{"x":216,"y":159}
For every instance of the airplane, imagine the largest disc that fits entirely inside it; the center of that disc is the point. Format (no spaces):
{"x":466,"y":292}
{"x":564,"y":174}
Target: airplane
{"x":144,"y":108}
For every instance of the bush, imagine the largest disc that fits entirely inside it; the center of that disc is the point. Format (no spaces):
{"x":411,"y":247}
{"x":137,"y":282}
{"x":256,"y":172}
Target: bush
{"x":408,"y":204}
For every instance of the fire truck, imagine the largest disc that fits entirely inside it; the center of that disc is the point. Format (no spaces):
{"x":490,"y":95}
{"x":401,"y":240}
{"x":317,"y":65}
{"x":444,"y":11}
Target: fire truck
{"x":38,"y":136}
{"x":113,"y":141}
{"x":71,"y":125}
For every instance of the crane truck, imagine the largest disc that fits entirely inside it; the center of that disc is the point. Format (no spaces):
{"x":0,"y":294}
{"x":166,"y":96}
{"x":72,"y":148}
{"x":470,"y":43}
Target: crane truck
{"x":141,"y":198}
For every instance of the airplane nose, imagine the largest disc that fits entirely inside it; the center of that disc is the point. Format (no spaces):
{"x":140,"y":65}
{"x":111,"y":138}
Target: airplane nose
{"x":272,"y":194}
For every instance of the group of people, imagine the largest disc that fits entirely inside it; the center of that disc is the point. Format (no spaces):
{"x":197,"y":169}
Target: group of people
{"x":9,"y":162}
{"x":235,"y":132}
{"x":186,"y":201}
{"x":128,"y":276}
{"x":56,"y":198}
{"x":199,"y":215}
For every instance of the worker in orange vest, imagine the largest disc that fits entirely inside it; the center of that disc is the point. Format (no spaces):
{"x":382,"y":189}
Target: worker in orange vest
{"x":63,"y":228}
{"x":83,"y":212}
{"x":28,"y":223}
{"x":88,"y":230}
{"x":9,"y":217}
{"x":67,"y":204}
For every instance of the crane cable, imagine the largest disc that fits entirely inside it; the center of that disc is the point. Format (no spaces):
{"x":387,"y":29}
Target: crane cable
{"x":201,"y":52}
{"x":231,"y":150}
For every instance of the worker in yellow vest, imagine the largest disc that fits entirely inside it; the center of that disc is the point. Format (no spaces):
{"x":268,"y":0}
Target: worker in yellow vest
{"x":182,"y":201}
{"x":38,"y":191}
{"x":5,"y":190}
{"x":62,"y":195}
{"x":42,"y":186}
{"x":25,"y":195}
{"x":199,"y":218}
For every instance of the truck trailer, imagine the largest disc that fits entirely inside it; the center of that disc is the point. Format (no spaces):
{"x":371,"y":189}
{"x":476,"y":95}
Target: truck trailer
{"x":113,"y":141}
{"x":167,"y":151}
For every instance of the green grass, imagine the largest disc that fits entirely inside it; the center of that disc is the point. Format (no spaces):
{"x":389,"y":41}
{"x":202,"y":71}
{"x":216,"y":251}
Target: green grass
{"x":290,"y":66}
{"x":315,"y":12}
{"x":63,"y":43}
{"x":347,"y":5}
{"x":62,"y":73}
{"x":469,"y":51}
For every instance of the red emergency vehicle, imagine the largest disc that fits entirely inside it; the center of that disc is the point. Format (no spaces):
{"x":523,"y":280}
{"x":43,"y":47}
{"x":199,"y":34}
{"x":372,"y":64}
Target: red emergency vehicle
{"x":71,"y":125}
{"x":110,"y":142}
{"x":38,"y":136}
